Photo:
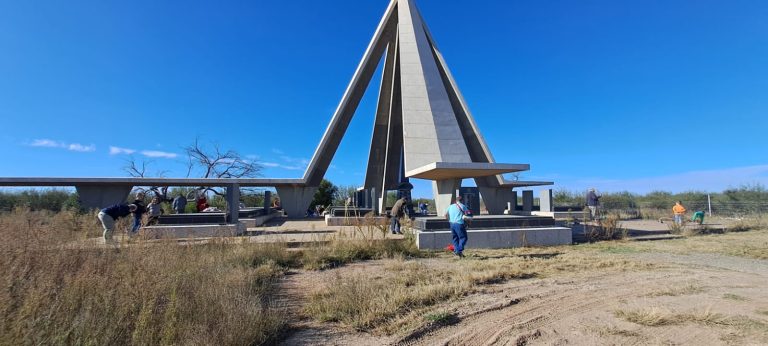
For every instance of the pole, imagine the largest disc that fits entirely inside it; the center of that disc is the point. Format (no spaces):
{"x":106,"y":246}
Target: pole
{"x":709,"y":203}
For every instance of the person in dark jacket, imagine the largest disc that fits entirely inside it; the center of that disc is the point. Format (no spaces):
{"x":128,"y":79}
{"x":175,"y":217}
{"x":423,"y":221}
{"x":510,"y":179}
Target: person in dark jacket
{"x":179,"y":204}
{"x":398,"y":211}
{"x":110,"y":214}
{"x":593,"y":202}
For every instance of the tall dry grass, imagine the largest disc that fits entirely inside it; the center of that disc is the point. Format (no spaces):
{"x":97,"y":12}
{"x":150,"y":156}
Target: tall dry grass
{"x":56,"y":292}
{"x":61,"y":287}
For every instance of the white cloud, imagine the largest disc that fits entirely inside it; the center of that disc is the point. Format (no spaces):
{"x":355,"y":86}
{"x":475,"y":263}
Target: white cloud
{"x":48,"y":143}
{"x":160,"y":154}
{"x":295,"y":160}
{"x":278,"y":165}
{"x":118,"y":150}
{"x":277,"y":151}
{"x":81,"y":148}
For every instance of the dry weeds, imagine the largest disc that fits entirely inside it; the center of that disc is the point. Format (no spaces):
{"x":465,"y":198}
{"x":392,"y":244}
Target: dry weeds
{"x":751,"y":244}
{"x":399,"y":297}
{"x":687,"y":289}
{"x":61,"y":289}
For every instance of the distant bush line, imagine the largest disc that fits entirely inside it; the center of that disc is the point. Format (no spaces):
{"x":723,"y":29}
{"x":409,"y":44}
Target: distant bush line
{"x":742,"y":200}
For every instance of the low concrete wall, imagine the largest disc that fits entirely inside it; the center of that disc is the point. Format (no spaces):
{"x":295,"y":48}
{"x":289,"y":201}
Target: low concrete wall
{"x":355,"y":221}
{"x":561,"y":214}
{"x":192,"y":231}
{"x":260,"y":220}
{"x":498,"y":238}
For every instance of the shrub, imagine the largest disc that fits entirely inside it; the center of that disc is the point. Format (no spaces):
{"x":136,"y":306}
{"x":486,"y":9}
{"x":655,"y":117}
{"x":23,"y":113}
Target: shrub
{"x":607,"y":228}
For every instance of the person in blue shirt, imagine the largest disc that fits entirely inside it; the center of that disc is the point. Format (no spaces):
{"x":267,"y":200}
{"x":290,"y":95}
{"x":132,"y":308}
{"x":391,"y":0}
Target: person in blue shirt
{"x":455,"y":216}
{"x":110,"y":214}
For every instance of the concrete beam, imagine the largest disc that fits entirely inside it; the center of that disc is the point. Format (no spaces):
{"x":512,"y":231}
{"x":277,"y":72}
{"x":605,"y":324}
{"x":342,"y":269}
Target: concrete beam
{"x":100,"y":182}
{"x":296,"y":200}
{"x":101,"y":196}
{"x":331,"y":139}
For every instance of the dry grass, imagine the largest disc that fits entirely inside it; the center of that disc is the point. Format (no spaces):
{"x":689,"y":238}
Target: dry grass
{"x":613,"y":330}
{"x":735,"y":297}
{"x":60,"y":289}
{"x":737,"y":327}
{"x":164,"y":294}
{"x":396,"y":298}
{"x":751,"y":244}
{"x":659,"y":316}
{"x":687,"y":289}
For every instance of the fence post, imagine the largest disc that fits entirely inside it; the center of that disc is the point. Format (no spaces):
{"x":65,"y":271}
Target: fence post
{"x":709,"y":203}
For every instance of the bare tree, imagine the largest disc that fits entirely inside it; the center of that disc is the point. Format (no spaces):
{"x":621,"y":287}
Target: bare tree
{"x":216,"y":163}
{"x":138,"y":169}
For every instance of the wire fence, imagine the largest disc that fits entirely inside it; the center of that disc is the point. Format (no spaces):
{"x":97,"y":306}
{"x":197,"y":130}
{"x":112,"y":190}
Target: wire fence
{"x":736,"y":209}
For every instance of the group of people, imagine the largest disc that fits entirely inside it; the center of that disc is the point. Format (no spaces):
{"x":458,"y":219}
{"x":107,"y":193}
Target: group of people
{"x":109,"y":215}
{"x":678,"y":210}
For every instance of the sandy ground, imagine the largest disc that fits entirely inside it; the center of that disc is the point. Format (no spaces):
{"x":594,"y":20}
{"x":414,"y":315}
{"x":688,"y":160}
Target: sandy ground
{"x":726,"y":296}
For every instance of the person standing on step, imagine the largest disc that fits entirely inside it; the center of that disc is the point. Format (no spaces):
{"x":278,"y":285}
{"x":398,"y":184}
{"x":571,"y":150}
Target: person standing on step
{"x":456,"y":215}
{"x":398,"y":211}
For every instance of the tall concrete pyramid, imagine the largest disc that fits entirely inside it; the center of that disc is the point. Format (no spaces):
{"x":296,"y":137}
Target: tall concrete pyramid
{"x":423,"y":128}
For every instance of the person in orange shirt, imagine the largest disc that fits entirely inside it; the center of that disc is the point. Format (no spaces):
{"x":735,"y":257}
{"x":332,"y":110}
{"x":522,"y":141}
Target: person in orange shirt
{"x":679,"y":211}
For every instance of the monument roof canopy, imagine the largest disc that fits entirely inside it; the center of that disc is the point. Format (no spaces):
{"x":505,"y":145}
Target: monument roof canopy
{"x":460,"y":170}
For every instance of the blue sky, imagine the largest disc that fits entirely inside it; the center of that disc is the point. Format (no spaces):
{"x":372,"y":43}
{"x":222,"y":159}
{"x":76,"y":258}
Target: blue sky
{"x":620,"y":95}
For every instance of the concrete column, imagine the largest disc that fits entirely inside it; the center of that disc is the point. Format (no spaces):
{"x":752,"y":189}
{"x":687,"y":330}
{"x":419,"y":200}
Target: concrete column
{"x":267,"y":202}
{"x":514,"y":201}
{"x":496,"y":199}
{"x":445,"y":193}
{"x":296,"y":199}
{"x":233,"y":203}
{"x":527,"y":200}
{"x":471,"y":198}
{"x":101,"y":196}
{"x":545,"y":200}
{"x":374,"y":200}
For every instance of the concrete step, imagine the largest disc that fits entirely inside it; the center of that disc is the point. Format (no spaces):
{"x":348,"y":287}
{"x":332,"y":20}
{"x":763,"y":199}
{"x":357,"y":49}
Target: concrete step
{"x":498,"y":238}
{"x":485,"y":222}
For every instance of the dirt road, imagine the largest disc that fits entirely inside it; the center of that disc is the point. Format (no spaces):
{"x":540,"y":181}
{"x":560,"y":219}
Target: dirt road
{"x":685,"y":298}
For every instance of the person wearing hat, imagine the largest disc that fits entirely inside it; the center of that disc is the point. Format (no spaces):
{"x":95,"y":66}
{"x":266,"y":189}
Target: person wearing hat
{"x":593,"y":202}
{"x":110,"y":214}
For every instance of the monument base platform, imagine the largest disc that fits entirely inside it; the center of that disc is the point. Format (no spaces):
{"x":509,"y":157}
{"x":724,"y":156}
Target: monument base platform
{"x":259,"y":221}
{"x":497,"y":238}
{"x":355,"y":221}
{"x":193,"y":231}
{"x":561,"y":214}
